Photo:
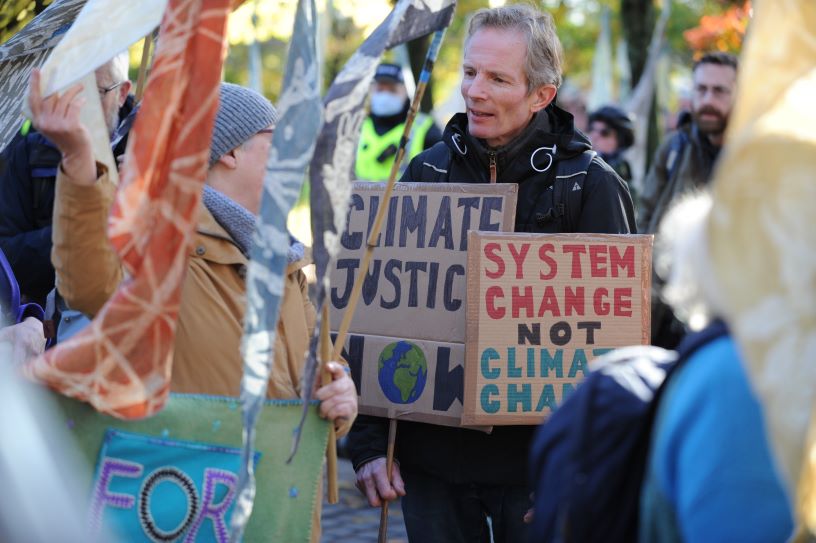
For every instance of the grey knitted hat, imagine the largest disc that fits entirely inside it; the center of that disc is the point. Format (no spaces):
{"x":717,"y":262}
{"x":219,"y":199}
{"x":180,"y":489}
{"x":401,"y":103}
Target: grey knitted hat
{"x":242,"y":113}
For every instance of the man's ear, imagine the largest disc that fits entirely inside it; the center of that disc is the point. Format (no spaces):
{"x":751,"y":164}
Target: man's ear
{"x":543,"y":95}
{"x":123,"y":90}
{"x":228,"y":160}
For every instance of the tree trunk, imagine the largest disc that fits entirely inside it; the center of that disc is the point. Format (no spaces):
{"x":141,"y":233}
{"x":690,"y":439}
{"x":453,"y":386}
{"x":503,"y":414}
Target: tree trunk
{"x":637,"y":21}
{"x":642,"y":101}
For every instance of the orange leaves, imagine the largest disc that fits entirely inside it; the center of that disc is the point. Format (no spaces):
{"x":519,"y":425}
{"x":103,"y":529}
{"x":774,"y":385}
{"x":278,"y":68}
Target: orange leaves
{"x":723,"y":32}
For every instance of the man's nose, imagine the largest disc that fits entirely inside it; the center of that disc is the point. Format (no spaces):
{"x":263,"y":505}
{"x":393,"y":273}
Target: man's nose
{"x":708,"y":97}
{"x":476,"y":89}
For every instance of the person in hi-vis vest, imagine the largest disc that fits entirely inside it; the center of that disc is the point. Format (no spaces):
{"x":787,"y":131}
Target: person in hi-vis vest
{"x":382,"y":129}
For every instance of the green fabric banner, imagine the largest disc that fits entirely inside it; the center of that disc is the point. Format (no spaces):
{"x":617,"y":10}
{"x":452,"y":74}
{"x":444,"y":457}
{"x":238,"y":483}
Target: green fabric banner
{"x":198,"y":425}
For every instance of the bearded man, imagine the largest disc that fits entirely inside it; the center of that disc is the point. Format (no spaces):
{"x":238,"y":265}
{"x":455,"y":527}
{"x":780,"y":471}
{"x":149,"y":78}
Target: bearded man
{"x":685,"y":162}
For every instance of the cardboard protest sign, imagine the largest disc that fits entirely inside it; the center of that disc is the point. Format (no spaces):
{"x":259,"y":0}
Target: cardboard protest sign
{"x":540,"y":308}
{"x":412,"y":379}
{"x":406,"y":341}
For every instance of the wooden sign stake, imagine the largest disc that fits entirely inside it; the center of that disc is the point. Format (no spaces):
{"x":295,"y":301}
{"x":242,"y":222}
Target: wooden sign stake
{"x":333,"y":494}
{"x":357,"y":289}
{"x":140,"y":82}
{"x":389,"y":464}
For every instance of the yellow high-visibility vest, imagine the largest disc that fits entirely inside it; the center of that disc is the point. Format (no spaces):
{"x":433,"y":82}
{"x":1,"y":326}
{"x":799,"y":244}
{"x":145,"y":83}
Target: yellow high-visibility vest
{"x":373,"y":145}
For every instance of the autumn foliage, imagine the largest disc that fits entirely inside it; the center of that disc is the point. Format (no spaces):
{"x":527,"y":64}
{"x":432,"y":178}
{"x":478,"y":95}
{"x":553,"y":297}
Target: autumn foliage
{"x":723,"y":32}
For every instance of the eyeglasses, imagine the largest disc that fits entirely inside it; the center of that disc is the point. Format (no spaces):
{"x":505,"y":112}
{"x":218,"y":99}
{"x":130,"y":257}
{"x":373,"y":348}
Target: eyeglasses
{"x":105,"y":90}
{"x":266,"y":131}
{"x":604,"y":132}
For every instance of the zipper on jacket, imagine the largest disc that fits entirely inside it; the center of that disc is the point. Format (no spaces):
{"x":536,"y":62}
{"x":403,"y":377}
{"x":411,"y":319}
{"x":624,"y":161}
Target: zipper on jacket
{"x":492,"y":156}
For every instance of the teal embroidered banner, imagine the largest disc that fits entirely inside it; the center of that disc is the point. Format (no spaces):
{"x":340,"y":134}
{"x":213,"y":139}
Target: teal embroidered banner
{"x":172,"y":477}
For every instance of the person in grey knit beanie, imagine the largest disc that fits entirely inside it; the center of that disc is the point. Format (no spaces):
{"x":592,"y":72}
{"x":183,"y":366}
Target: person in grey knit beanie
{"x":233,"y":195}
{"x":242,"y":113}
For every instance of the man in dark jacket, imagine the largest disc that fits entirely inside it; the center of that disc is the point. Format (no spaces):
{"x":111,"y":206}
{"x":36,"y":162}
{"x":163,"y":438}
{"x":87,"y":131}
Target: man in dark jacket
{"x":455,"y":478}
{"x":685,"y":162}
{"x":686,"y":159}
{"x":27,"y":185}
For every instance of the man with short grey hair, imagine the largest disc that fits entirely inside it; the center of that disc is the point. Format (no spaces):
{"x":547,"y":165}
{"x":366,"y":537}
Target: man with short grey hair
{"x":453,"y":479}
{"x":27,"y":184}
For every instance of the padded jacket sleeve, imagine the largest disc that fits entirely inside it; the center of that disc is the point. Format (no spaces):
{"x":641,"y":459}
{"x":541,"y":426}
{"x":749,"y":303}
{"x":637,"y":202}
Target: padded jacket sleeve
{"x":88,"y":269}
{"x":607,"y":205}
{"x":368,"y":439}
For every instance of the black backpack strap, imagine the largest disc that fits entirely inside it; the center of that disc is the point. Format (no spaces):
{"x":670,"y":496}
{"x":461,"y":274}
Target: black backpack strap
{"x":675,"y":155}
{"x":570,"y":175}
{"x":43,"y":161}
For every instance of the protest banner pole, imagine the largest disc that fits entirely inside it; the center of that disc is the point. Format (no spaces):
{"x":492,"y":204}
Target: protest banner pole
{"x":140,"y":82}
{"x":430,"y":59}
{"x":389,"y":465}
{"x":333,"y":495}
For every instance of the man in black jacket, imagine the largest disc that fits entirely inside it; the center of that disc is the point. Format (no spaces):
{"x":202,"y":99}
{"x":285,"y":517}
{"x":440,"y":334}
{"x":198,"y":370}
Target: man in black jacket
{"x":27,"y":185}
{"x":452,"y":479}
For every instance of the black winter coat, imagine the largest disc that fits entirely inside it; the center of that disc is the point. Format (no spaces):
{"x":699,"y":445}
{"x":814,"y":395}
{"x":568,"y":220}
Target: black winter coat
{"x":27,"y":203}
{"x":531,"y":160}
{"x":467,"y":456}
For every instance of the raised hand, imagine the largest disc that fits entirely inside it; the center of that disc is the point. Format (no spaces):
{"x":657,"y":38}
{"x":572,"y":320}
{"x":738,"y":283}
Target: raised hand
{"x":57,"y":118}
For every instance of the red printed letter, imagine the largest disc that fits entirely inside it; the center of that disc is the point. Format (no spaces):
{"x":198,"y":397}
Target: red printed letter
{"x":577,"y":251}
{"x":574,"y":301}
{"x":524,"y":301}
{"x":626,"y":261}
{"x":601,"y":305}
{"x":549,"y":303}
{"x":623,"y":302}
{"x":491,"y":251}
{"x":519,"y":258}
{"x":547,"y":259}
{"x":597,"y":260}
{"x":491,"y":294}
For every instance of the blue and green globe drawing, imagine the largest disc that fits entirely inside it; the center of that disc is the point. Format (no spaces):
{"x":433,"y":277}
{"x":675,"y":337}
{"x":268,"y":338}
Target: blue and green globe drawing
{"x":402,"y":372}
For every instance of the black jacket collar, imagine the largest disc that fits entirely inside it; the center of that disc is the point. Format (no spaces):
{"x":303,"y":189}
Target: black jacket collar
{"x":550,"y":136}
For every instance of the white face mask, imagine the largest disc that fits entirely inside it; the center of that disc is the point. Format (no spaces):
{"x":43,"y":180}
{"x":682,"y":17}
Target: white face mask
{"x":385,"y":103}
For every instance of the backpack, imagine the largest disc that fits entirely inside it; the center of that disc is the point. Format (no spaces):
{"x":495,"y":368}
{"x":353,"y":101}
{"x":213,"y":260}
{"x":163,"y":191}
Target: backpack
{"x":568,"y":193}
{"x":43,"y":161}
{"x":11,"y":310}
{"x":588,"y":460}
{"x":568,"y":188}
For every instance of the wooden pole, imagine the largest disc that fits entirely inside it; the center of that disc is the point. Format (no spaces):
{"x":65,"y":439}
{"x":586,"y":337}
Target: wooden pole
{"x":357,"y":289}
{"x":140,"y":83}
{"x":433,"y":52}
{"x":389,"y":465}
{"x":333,"y":494}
